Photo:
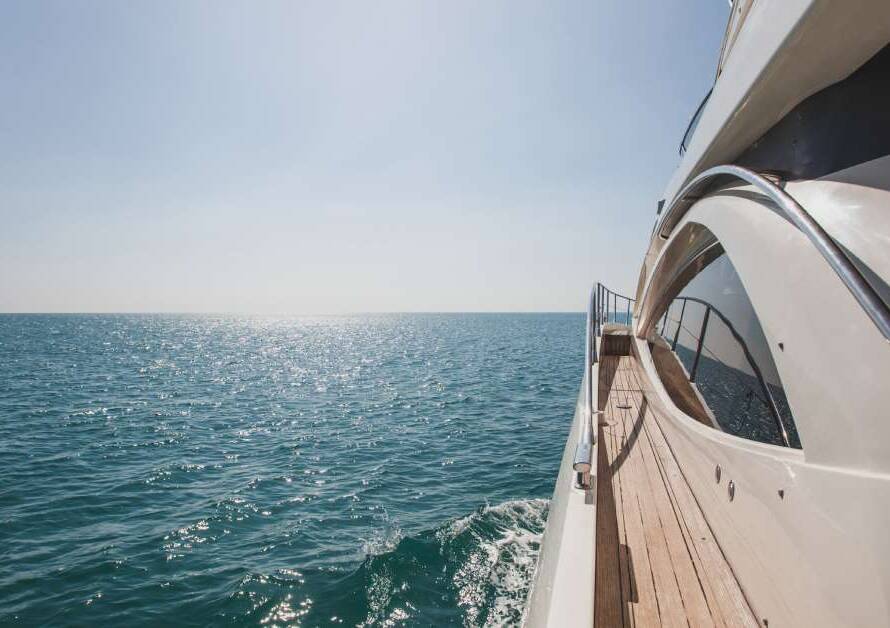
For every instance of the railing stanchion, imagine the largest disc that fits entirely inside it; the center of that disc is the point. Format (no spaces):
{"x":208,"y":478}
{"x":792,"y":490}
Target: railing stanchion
{"x":604,"y":307}
{"x":679,"y":325}
{"x":701,"y":341}
{"x":603,"y":298}
{"x":599,"y":308}
{"x":769,"y":400}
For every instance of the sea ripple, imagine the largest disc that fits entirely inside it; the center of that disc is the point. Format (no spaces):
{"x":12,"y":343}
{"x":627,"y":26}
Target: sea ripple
{"x":354,"y":470}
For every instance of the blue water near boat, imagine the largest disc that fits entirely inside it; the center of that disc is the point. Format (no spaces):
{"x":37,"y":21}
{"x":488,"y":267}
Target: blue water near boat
{"x":356,"y":470}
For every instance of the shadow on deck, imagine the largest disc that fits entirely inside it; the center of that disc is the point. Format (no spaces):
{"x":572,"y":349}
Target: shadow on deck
{"x":657,"y":562}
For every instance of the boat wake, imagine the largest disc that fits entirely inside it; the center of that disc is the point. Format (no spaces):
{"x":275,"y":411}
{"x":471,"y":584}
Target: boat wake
{"x":482,"y":563}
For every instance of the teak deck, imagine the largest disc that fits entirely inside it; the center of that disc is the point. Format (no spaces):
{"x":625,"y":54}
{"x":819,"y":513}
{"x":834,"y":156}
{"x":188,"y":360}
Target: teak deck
{"x":657,"y":562}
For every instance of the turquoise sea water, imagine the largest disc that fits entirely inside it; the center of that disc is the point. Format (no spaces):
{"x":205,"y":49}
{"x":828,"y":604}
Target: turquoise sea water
{"x":223,"y":470}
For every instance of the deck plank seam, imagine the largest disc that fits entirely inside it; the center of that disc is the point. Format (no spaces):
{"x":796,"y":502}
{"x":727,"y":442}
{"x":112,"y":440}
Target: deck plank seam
{"x":682,"y":526}
{"x":663,"y":568}
{"x":611,"y":442}
{"x":631,"y":577}
{"x":632,"y":460}
{"x":632,"y":587}
{"x":649,"y":559}
{"x":747,"y":609}
{"x":637,"y":568}
{"x":679,"y":553}
{"x":669,"y":537}
{"x":698,"y":561}
{"x":684,"y":530}
{"x":670,"y":569}
{"x":625,"y":565}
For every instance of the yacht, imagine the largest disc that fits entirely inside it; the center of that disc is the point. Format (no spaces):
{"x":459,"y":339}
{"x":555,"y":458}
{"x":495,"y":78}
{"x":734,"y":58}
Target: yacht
{"x":728,"y":463}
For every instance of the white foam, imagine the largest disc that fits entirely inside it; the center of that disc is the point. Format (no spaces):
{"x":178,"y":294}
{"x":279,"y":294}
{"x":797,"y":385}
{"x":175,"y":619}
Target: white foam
{"x":492,"y":582}
{"x":382,"y":541}
{"x":498,"y":572}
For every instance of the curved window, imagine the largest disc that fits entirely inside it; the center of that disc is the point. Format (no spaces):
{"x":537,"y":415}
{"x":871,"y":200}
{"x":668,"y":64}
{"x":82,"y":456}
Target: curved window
{"x":713,"y":357}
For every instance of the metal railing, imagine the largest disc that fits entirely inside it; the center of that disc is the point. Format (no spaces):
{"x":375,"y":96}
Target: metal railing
{"x":612,"y":307}
{"x":693,"y":122}
{"x":869,"y":300}
{"x":583,"y":461}
{"x":769,"y":400}
{"x":603,"y":307}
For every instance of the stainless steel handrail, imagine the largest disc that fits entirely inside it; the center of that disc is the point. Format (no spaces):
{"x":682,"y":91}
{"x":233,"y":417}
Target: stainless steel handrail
{"x":876,"y":309}
{"x":597,"y":314}
{"x":604,"y":296}
{"x":583,"y":461}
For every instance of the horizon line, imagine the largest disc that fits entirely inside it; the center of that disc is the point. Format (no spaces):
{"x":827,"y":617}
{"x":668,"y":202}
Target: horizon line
{"x":247,"y":313}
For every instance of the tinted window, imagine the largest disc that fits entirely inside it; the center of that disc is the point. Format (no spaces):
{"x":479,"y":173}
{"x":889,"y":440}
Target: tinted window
{"x":711,"y":328}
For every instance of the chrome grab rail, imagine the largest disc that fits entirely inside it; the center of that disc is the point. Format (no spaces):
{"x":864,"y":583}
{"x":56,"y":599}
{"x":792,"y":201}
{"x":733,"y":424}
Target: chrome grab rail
{"x":598,"y":313}
{"x":769,"y":399}
{"x":862,"y":291}
{"x":583,"y":462}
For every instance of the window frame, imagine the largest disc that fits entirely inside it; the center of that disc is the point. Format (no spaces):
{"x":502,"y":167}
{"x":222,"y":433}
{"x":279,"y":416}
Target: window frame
{"x":701,"y":250}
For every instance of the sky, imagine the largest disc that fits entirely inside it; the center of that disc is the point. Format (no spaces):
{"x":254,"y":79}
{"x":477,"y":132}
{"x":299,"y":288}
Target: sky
{"x":334,"y":157}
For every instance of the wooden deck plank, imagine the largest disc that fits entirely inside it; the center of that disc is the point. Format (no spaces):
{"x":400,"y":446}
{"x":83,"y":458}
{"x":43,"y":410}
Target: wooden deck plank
{"x":715,"y":616}
{"x":694,"y":601}
{"x":722,"y":586}
{"x":628,"y":587}
{"x":695,"y":606}
{"x":624,"y":557}
{"x":669,"y":600}
{"x":608,"y":609}
{"x":700,"y":601}
{"x":725,"y":596}
{"x":613,"y":433}
{"x":643,"y":601}
{"x":616,"y":613}
{"x":658,"y":563}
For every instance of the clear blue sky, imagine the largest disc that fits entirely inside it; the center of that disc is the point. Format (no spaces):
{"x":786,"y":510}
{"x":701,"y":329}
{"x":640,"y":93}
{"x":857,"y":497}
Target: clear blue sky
{"x":298,"y":157}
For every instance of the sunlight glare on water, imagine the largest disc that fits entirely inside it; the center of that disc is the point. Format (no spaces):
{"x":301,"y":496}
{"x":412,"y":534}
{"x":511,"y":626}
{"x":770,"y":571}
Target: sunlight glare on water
{"x":356,"y":470}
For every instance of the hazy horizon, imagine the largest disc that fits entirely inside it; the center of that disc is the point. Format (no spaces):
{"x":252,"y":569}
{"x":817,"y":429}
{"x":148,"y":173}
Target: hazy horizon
{"x":335,"y":158}
{"x":302,"y":315}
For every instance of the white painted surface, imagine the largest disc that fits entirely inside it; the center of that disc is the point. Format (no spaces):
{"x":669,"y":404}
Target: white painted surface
{"x":853,"y":206}
{"x":563,"y":587}
{"x":786,"y":51}
{"x":820,"y":556}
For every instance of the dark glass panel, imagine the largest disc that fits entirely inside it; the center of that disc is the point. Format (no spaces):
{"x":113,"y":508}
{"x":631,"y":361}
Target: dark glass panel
{"x":735,"y":373}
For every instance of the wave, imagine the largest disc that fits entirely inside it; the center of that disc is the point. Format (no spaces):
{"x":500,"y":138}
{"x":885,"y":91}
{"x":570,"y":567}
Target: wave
{"x":481,"y":564}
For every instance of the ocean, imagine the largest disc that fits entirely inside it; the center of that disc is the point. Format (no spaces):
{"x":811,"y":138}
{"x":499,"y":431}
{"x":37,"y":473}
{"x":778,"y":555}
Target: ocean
{"x":379,"y":470}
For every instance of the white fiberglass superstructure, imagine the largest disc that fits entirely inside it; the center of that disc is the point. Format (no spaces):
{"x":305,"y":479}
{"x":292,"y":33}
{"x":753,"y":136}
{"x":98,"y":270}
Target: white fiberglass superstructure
{"x":729,"y":458}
